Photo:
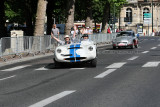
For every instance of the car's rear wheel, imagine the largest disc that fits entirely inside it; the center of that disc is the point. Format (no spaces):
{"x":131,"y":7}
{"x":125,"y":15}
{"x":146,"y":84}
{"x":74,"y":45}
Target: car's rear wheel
{"x":94,"y":62}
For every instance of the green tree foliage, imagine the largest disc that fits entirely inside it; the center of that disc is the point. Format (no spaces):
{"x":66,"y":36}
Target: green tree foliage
{"x":2,"y":20}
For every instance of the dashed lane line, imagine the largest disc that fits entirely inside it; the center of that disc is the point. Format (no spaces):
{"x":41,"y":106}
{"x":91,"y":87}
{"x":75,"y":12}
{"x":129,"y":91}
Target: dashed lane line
{"x":16,"y":68}
{"x":41,"y":69}
{"x":133,"y":58}
{"x":153,"y":47}
{"x":151,"y":64}
{"x":52,"y":99}
{"x":145,"y":52}
{"x":116,"y":65}
{"x":7,"y":77}
{"x":102,"y":75}
{"x":76,"y":68}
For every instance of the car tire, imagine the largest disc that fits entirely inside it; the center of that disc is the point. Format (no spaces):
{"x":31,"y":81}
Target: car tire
{"x":136,"y":46}
{"x":94,"y":62}
{"x":132,"y":46}
{"x":114,"y":47}
{"x":56,"y":64}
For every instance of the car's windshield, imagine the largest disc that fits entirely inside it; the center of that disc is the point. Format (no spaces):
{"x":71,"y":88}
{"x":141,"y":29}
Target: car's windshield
{"x":124,"y":34}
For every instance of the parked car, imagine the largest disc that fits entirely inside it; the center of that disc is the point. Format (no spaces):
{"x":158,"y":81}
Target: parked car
{"x":125,"y":39}
{"x":85,"y":51}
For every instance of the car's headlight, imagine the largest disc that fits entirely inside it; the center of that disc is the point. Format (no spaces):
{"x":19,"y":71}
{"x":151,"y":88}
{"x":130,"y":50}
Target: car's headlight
{"x":90,"y":48}
{"x":59,"y":50}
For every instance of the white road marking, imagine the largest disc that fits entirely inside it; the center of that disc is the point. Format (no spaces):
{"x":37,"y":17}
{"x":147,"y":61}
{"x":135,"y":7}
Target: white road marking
{"x":145,"y":52}
{"x":41,"y":69}
{"x":15,"y":68}
{"x":116,"y":65}
{"x":76,"y":68}
{"x":153,"y":47}
{"x":102,"y":75}
{"x":151,"y":64}
{"x":51,"y":99}
{"x":7,"y":78}
{"x":152,"y":39}
{"x":159,"y":45}
{"x":133,"y":58}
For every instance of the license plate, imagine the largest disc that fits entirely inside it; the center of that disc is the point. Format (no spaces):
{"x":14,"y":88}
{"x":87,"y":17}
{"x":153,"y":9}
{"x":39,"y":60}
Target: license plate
{"x":121,"y":44}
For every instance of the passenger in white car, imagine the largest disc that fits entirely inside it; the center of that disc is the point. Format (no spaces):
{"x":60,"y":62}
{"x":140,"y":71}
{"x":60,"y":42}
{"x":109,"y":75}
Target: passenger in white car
{"x":67,"y":39}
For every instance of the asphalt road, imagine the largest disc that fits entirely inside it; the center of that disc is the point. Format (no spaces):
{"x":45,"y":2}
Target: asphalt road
{"x":122,"y":78}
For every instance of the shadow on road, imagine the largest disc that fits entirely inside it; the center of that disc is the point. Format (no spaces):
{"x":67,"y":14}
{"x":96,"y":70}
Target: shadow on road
{"x":68,"y":65}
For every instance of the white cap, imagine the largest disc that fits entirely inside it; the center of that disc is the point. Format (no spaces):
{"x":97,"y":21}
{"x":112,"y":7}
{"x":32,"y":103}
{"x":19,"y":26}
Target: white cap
{"x":66,"y":36}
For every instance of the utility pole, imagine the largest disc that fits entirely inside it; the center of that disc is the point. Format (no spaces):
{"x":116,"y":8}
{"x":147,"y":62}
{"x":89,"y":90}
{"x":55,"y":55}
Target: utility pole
{"x":152,"y":16}
{"x":114,"y":18}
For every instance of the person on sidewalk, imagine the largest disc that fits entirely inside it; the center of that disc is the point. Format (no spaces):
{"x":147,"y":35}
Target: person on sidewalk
{"x":109,"y":30}
{"x":55,"y":33}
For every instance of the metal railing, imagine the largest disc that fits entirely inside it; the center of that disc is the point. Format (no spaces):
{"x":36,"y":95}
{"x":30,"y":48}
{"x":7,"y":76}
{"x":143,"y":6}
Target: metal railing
{"x":40,"y":44}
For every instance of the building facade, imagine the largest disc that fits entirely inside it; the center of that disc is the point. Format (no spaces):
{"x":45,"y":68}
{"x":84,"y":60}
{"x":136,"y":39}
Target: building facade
{"x":137,"y":15}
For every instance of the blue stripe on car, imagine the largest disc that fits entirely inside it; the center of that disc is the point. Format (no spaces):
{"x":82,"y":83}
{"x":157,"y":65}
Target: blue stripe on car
{"x":73,"y":52}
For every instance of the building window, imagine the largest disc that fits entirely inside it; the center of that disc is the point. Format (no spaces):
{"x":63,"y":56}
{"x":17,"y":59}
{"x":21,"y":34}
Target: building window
{"x":128,"y":17}
{"x":145,"y":10}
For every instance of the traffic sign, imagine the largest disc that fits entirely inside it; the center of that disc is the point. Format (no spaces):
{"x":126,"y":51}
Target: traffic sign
{"x":147,"y":18}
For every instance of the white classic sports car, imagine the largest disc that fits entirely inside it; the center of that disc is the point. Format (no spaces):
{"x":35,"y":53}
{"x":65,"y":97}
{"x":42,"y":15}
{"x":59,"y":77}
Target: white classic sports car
{"x":76,"y":52}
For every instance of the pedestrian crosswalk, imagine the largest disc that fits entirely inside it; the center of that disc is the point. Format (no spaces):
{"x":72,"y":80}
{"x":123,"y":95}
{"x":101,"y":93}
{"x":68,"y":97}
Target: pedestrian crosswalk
{"x":151,"y":64}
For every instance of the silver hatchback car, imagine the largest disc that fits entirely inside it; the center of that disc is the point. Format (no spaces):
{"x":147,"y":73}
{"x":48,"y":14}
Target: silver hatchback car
{"x":125,"y":39}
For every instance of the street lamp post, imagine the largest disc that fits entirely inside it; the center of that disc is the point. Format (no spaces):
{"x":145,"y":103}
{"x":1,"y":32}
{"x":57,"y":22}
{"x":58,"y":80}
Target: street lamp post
{"x":152,"y":16}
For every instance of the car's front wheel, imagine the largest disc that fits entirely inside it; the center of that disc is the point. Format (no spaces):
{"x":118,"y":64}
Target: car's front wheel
{"x":132,"y":46}
{"x":114,"y":47}
{"x":136,"y":46}
{"x":56,"y":64}
{"x":94,"y":62}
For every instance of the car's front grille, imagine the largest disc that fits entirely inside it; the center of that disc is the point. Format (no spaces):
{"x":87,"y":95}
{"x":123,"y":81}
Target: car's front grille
{"x":66,"y":54}
{"x":121,"y":42}
{"x":75,"y":58}
{"x":75,"y":48}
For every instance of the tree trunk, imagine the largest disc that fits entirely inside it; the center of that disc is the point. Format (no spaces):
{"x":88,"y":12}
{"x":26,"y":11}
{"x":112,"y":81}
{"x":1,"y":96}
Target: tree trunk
{"x":105,"y":17}
{"x":40,"y":18}
{"x":88,"y":22}
{"x":2,"y":20}
{"x":69,"y":22}
{"x":28,"y":14}
{"x":49,"y":16}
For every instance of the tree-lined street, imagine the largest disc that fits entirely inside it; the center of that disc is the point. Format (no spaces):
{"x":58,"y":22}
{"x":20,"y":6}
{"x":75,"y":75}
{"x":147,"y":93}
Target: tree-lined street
{"x":122,"y":78}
